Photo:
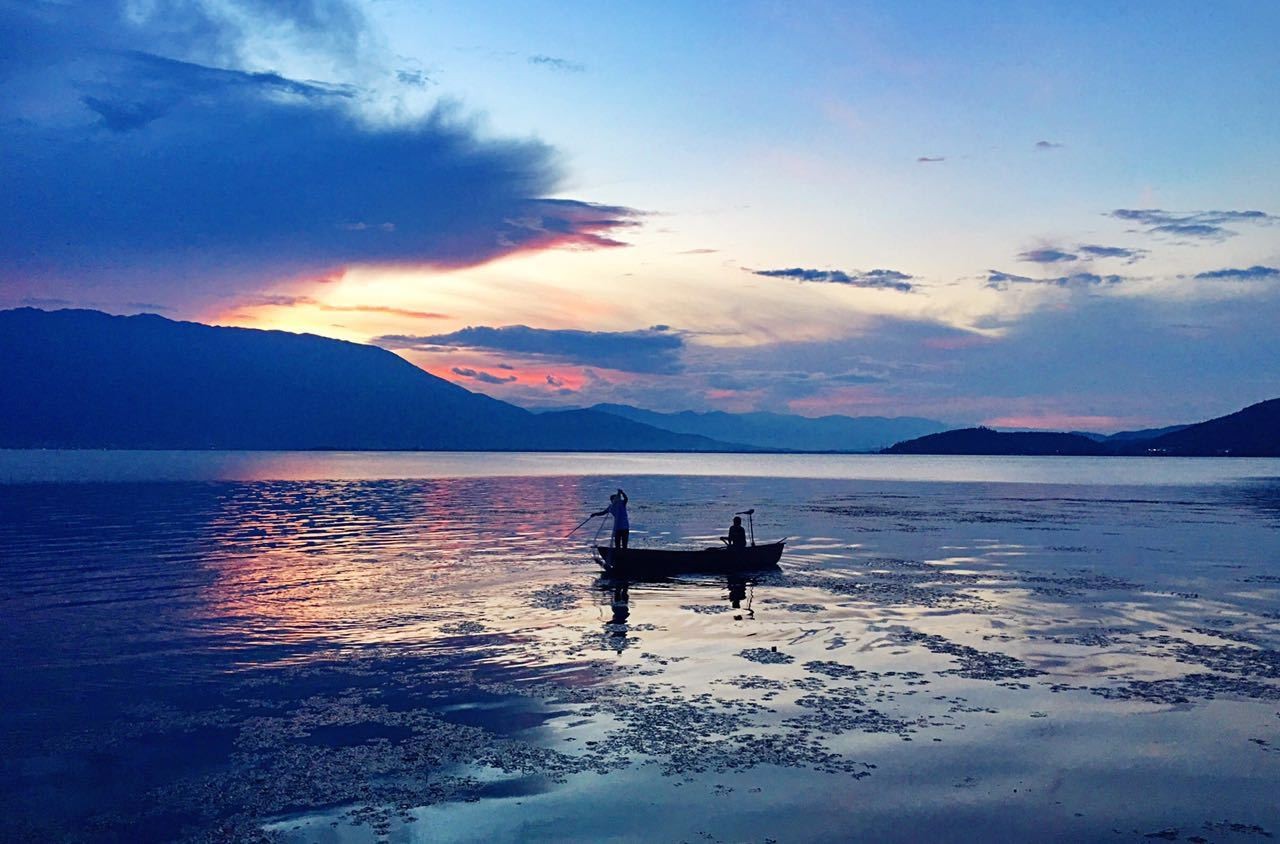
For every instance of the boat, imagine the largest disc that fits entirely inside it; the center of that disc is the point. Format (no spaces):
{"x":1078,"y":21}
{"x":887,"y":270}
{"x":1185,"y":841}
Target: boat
{"x":658,"y":562}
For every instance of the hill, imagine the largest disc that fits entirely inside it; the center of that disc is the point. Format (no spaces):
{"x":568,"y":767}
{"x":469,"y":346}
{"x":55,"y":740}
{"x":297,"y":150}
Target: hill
{"x":1251,"y":432}
{"x":784,"y":431}
{"x":85,"y":379}
{"x":987,"y":441}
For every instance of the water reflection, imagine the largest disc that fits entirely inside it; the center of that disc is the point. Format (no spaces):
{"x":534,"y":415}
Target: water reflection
{"x":208,"y":654}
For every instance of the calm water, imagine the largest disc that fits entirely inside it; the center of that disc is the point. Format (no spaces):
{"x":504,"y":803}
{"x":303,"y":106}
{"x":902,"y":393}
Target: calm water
{"x":404,"y":647}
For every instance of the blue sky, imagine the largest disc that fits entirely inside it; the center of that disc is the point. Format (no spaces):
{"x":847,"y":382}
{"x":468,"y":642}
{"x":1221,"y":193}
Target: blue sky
{"x":1049,"y":214}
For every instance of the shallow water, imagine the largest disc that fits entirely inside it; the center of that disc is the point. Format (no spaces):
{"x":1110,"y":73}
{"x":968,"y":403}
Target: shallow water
{"x":404,"y":647}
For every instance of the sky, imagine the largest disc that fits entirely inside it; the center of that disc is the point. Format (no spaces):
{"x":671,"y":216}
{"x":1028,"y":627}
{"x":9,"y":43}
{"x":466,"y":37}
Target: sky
{"x":1042,"y":215}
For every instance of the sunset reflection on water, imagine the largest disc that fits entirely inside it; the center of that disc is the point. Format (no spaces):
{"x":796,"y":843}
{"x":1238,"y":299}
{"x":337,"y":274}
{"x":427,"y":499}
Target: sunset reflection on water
{"x":317,"y":650}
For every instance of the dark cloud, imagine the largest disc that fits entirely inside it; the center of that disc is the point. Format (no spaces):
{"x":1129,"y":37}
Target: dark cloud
{"x":1048,"y":145}
{"x":1085,"y":251}
{"x":1208,"y":225}
{"x":930,"y":159}
{"x":553,"y":63}
{"x":1130,"y":255}
{"x":1254,"y":273}
{"x":139,"y":170}
{"x":651,"y":350}
{"x":414,"y":78}
{"x":1047,"y":255}
{"x":554,"y":381}
{"x":1001,"y":280}
{"x":482,"y":376}
{"x":874,"y":279}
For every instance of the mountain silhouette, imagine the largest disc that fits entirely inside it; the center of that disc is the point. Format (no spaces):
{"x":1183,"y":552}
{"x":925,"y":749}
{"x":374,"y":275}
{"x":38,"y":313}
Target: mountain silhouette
{"x":86,"y":379}
{"x":987,"y":441}
{"x":784,"y":431}
{"x":1251,"y":432}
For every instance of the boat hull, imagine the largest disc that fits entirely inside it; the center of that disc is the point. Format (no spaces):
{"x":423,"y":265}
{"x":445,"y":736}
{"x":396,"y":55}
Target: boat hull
{"x":658,"y":561}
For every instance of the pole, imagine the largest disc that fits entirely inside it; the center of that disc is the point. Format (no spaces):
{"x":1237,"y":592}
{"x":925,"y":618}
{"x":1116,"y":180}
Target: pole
{"x":751,"y":522}
{"x":580,"y":524}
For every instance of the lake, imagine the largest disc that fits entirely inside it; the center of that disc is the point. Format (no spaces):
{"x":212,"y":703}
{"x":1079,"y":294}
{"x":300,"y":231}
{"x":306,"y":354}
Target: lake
{"x":358,"y":647}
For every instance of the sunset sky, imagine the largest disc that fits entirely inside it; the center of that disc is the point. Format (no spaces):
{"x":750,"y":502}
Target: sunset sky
{"x":1023,"y":214}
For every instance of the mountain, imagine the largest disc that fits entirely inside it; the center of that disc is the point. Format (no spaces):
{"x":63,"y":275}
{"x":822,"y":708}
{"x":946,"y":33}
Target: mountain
{"x":783,"y":431}
{"x":1251,"y":432}
{"x":1145,"y":434}
{"x":987,"y":441}
{"x":85,"y":379}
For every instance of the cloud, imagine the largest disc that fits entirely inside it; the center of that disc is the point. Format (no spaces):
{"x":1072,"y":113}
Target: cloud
{"x":482,"y":376}
{"x":414,"y":78}
{"x":873,"y":279}
{"x":129,"y":168}
{"x":1208,"y":225}
{"x":1048,"y":145}
{"x":285,"y":301}
{"x":1047,"y":255}
{"x":1085,"y":251}
{"x":1131,"y":255}
{"x":1254,"y":273}
{"x":930,"y":159}
{"x":553,"y":63}
{"x":554,"y":381}
{"x":651,"y":350}
{"x":703,"y":251}
{"x":998,"y":280}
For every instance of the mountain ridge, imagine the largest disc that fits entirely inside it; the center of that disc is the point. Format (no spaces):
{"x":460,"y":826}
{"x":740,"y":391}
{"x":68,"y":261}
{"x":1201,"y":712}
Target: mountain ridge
{"x":1253,"y":431}
{"x":777,"y":431}
{"x":86,"y":379}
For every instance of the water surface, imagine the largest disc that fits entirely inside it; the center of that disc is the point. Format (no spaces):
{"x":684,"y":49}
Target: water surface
{"x":362,"y":647}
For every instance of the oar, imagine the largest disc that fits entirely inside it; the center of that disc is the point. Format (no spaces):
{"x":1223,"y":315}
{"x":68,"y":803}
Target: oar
{"x":580,"y":524}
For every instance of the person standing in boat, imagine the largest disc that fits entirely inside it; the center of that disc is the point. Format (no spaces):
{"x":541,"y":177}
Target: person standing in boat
{"x":737,"y":537}
{"x":621,"y":524}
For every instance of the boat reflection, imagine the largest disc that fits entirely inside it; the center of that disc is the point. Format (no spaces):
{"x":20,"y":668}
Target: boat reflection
{"x":615,"y":593}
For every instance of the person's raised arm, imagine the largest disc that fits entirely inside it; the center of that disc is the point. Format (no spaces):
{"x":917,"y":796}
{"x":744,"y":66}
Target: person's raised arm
{"x":622,"y":495}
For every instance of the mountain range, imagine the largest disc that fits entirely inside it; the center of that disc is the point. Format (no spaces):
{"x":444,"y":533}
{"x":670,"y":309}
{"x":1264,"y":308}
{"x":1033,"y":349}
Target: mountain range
{"x":85,"y":379}
{"x":784,"y":432}
{"x":1251,"y":432}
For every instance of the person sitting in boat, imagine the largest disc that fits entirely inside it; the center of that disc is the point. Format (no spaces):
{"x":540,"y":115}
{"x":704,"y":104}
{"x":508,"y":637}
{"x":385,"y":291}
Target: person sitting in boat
{"x":737,"y":537}
{"x":621,"y":524}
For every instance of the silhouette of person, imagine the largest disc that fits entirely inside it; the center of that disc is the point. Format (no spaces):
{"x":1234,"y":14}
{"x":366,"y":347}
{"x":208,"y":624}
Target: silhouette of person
{"x":737,"y":537}
{"x":621,"y":524}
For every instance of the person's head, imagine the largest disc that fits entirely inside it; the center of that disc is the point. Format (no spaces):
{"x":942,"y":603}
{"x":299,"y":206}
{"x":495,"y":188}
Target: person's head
{"x":613,"y":498}
{"x":737,"y":520}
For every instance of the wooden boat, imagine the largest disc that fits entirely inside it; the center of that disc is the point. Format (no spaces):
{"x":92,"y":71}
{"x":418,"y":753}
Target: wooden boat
{"x":657,"y":562}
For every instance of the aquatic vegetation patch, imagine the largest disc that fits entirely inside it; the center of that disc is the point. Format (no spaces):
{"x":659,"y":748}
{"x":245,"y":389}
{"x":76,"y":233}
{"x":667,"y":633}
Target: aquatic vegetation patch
{"x":766,"y":656}
{"x":562,"y":596}
{"x":974,"y":664}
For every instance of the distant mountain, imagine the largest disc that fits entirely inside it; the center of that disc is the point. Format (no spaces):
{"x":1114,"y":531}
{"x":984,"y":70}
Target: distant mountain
{"x":1252,"y":432}
{"x":987,"y":441}
{"x":85,"y":379}
{"x":1145,"y":434}
{"x":784,"y":431}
